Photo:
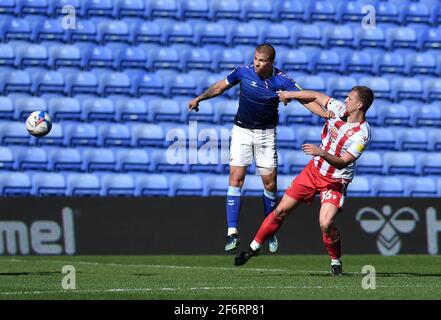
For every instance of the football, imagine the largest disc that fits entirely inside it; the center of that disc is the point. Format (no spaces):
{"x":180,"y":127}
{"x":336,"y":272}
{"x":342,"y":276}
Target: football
{"x":39,"y":123}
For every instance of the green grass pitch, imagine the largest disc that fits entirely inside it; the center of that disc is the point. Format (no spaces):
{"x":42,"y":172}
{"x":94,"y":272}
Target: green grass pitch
{"x":266,"y":277}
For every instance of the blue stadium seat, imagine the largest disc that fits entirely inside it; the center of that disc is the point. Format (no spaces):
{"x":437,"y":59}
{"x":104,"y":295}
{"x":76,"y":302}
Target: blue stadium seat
{"x":144,"y":135}
{"x":7,"y":56}
{"x":210,"y":33}
{"x":196,"y":58}
{"x":359,"y":187}
{"x":148,"y":84}
{"x":6,"y":108}
{"x":48,"y":30}
{"x":429,"y":163}
{"x":113,"y":31}
{"x":26,"y":105}
{"x":350,"y":11}
{"x":295,"y":113}
{"x":48,"y":82}
{"x":215,"y":185}
{"x":227,"y":59}
{"x":374,"y":38}
{"x":181,"y":84}
{"x":432,"y":89}
{"x":30,"y":158}
{"x":276,"y":34}
{"x":115,"y":83}
{"x":434,"y":137}
{"x":402,"y":37}
{"x":295,"y":161}
{"x":315,"y":83}
{"x":338,"y":36}
{"x":102,"y":8}
{"x":185,"y":185}
{"x":325,"y":61}
{"x":206,"y":112}
{"x":426,"y":115}
{"x":163,"y":9}
{"x":6,"y":159}
{"x":83,"y":185}
{"x":64,"y":159}
{"x":309,"y":135}
{"x":8,"y":7}
{"x":78,"y":134}
{"x":257,"y":9}
{"x":64,"y":109}
{"x":16,"y":29}
{"x":15,"y":184}
{"x":358,"y":61}
{"x":252,"y":186}
{"x":54,"y":138}
{"x":379,"y":85}
{"x":85,"y":31}
{"x":407,"y":88}
{"x":163,"y":58}
{"x":420,"y":63}
{"x":146,"y":32}
{"x":382,"y":138}
{"x":243,"y":34}
{"x":283,"y":183}
{"x":430,"y":39}
{"x":370,"y":162}
{"x":389,"y":62}
{"x":415,"y":12}
{"x":289,"y":10}
{"x":307,"y":35}
{"x":48,"y":184}
{"x":114,"y":135}
{"x":164,"y":110}
{"x":178,"y":32}
{"x":25,"y":7}
{"x":132,"y":160}
{"x":339,"y":87}
{"x":131,"y":110}
{"x":198,"y":9}
{"x":64,"y":56}
{"x":121,"y":185}
{"x":225,"y":9}
{"x":131,"y":57}
{"x":170,"y":160}
{"x":399,"y":163}
{"x":151,"y":185}
{"x":394,"y":114}
{"x":14,"y":133}
{"x":387,"y":12}
{"x":31,"y":55}
{"x":99,"y":109}
{"x":98,"y":160}
{"x":293,"y":60}
{"x":56,"y":7}
{"x":285,"y":137}
{"x":320,"y":11}
{"x":81,"y":82}
{"x":128,"y":8}
{"x":412,"y":139}
{"x":387,"y":187}
{"x":420,"y":187}
{"x":225,"y":111}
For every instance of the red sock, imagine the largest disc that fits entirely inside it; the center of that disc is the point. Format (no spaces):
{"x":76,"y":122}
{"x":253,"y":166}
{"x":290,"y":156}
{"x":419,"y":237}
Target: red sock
{"x":268,"y":227}
{"x":332,"y":243}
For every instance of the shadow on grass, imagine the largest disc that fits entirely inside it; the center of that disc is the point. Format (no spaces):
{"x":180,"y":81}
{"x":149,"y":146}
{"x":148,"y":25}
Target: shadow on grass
{"x":351,"y":274}
{"x":37,"y":273}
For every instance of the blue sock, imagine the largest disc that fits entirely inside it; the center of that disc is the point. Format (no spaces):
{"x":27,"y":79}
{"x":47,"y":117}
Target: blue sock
{"x":269,"y":201}
{"x":233,"y":206}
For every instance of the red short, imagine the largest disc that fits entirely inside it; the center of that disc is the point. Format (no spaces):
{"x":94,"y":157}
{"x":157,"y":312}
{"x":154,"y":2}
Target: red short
{"x":310,"y":182}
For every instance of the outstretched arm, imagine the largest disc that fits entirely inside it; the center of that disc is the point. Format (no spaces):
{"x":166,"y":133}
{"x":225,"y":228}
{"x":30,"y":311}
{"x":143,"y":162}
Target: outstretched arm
{"x":337,"y":162}
{"x":213,"y":91}
{"x":304,"y":97}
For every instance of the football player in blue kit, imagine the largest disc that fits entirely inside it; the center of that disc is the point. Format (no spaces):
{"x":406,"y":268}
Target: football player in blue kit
{"x":254,"y":131}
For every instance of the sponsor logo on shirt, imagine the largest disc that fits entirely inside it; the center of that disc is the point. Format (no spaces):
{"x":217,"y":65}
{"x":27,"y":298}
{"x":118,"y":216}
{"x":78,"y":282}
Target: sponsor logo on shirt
{"x":253,"y":84}
{"x":334,"y":133}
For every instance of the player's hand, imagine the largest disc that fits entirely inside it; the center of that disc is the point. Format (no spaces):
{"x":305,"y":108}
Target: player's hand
{"x":312,"y":150}
{"x":329,"y":115}
{"x":193,"y":105}
{"x":283,"y":97}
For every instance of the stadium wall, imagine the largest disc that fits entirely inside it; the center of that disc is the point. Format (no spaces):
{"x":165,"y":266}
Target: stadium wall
{"x":187,"y":225}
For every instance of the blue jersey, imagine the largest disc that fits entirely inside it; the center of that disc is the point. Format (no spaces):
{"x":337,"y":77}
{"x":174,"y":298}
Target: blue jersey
{"x":259,"y":102}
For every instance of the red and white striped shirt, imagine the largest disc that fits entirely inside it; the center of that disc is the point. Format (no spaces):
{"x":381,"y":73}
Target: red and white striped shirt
{"x":339,"y":137}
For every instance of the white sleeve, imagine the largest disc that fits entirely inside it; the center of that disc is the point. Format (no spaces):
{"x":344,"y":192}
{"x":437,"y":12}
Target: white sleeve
{"x":358,"y":145}
{"x":336,"y":106}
